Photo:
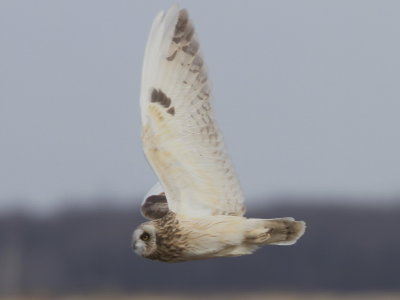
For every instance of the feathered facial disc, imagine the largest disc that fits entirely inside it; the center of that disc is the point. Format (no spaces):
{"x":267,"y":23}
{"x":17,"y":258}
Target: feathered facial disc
{"x":144,"y":239}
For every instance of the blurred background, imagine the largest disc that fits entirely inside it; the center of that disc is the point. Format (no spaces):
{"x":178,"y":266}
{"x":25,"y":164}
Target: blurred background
{"x":306,"y":93}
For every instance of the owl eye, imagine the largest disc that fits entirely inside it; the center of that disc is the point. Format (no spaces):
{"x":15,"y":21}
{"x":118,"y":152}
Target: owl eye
{"x":145,"y":236}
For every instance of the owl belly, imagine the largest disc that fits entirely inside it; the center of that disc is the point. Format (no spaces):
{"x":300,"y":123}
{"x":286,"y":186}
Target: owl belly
{"x":215,"y":236}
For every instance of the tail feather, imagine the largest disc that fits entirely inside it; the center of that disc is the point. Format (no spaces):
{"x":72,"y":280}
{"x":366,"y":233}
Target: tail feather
{"x":283,"y":231}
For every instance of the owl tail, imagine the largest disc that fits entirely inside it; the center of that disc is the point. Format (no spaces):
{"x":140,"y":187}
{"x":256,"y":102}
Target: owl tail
{"x":283,"y":231}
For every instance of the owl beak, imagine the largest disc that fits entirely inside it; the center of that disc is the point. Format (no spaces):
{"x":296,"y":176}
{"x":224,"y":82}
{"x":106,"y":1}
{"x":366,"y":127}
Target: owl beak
{"x":133,"y":246}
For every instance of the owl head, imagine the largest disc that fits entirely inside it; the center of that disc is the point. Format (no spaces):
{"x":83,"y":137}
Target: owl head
{"x":144,"y":239}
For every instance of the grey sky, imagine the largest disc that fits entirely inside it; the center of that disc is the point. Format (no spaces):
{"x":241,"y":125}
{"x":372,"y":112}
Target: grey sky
{"x":306,"y":93}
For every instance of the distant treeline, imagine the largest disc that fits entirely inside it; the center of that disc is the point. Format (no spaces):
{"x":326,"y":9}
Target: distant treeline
{"x":345,"y":248}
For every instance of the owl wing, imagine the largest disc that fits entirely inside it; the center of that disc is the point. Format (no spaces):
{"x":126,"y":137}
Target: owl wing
{"x":180,"y":139}
{"x":154,"y":205}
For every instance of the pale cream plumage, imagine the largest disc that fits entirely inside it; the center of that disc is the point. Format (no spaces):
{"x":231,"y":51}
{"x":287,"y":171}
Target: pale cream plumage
{"x":185,"y":149}
{"x":197,"y":209}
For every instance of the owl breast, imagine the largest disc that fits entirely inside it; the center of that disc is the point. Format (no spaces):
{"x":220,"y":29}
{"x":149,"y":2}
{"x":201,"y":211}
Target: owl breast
{"x":171,"y":242}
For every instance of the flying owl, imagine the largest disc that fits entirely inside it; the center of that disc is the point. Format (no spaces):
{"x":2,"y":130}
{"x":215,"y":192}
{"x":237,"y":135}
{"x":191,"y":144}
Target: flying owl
{"x":196,"y":211}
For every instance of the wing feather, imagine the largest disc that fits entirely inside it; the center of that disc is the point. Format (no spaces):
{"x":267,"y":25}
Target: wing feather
{"x":180,"y":139}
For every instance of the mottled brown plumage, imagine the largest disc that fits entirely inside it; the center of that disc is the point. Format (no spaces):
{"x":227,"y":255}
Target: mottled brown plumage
{"x":169,"y":239}
{"x":158,"y":96}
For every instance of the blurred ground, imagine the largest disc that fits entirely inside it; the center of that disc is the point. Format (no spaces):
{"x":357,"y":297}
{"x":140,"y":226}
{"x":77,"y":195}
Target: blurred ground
{"x":346,"y":249}
{"x":240,"y":296}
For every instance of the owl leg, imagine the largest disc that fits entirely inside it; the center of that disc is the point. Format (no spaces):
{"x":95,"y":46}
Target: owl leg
{"x":283,"y":231}
{"x":258,"y":236}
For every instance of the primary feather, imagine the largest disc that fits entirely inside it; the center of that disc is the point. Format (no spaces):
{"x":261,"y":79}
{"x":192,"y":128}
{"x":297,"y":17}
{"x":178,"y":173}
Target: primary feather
{"x":180,"y":139}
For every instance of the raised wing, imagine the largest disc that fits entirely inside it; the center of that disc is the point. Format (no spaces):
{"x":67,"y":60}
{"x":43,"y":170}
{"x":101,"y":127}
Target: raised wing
{"x":180,"y":139}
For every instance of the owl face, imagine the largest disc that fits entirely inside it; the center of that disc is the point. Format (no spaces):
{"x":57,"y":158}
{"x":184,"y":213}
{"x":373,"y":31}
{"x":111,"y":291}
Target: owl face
{"x":144,"y":239}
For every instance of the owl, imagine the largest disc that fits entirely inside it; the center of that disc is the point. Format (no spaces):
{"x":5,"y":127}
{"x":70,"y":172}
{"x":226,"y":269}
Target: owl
{"x":196,"y":210}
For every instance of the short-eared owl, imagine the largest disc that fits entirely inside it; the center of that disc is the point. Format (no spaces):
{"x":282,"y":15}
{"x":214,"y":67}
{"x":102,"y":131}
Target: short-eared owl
{"x":196,"y":212}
